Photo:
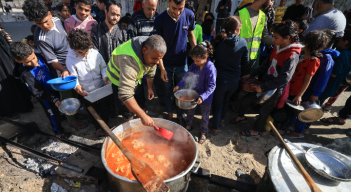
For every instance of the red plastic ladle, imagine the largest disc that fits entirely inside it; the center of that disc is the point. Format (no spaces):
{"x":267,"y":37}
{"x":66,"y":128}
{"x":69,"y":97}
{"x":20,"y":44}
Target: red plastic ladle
{"x":163,"y":133}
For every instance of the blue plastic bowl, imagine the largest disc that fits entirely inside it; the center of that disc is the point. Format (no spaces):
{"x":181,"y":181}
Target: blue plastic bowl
{"x":60,"y":84}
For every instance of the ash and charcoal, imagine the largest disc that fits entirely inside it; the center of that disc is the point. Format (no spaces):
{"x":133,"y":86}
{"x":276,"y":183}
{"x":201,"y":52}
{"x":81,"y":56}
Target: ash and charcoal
{"x":54,"y":149}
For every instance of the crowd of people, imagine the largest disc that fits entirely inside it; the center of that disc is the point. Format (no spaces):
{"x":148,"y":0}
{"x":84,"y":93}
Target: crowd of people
{"x":301,"y":52}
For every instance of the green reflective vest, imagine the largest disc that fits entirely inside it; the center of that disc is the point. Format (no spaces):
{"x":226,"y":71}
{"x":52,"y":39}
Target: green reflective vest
{"x":113,"y":71}
{"x":253,"y":38}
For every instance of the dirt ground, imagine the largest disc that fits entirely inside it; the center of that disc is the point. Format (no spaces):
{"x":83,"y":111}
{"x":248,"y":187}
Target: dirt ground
{"x":222,"y":154}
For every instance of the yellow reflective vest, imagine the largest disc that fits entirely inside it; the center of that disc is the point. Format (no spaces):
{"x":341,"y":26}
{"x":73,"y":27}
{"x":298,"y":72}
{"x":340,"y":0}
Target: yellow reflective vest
{"x":253,"y":38}
{"x":113,"y":71}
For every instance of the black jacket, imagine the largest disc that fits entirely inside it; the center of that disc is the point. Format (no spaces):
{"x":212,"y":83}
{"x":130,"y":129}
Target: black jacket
{"x":37,"y":89}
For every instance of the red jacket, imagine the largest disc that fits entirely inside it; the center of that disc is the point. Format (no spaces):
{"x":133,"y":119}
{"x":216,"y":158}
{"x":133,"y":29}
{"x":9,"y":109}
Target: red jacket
{"x":280,"y":69}
{"x":137,"y":6}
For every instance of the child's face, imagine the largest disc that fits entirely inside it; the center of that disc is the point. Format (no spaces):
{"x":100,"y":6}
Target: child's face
{"x":65,"y":13}
{"x":83,"y":11}
{"x":32,"y":44}
{"x":125,"y":25}
{"x":297,"y":25}
{"x":279,"y":40}
{"x":82,"y":53}
{"x":343,"y":44}
{"x":200,"y":61}
{"x":30,"y":61}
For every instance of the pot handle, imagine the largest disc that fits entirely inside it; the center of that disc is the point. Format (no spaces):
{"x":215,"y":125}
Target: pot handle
{"x":195,"y":169}
{"x":194,"y":102}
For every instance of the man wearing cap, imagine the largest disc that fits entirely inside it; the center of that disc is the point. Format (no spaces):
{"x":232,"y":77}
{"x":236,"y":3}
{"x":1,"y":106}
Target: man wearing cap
{"x":128,"y":64}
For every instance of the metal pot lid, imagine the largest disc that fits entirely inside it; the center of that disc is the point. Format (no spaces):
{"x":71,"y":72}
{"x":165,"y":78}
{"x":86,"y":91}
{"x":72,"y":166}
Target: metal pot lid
{"x":332,"y":159}
{"x":310,"y":115}
{"x":291,"y":104}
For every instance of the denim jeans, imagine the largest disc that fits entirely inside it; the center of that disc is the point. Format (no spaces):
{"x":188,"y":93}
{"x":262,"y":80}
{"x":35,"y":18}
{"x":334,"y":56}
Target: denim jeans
{"x":174,"y":74}
{"x":221,"y":97}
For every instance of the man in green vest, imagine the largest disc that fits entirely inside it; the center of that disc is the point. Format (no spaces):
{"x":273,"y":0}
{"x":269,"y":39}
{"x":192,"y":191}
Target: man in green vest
{"x":254,"y":31}
{"x":254,"y":27}
{"x":128,"y":64}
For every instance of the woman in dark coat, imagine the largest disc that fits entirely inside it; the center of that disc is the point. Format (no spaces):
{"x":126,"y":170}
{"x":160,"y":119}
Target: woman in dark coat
{"x":14,"y":94}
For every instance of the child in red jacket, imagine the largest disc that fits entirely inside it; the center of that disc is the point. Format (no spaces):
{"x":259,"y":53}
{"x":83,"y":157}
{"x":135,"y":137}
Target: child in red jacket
{"x":276,"y":75}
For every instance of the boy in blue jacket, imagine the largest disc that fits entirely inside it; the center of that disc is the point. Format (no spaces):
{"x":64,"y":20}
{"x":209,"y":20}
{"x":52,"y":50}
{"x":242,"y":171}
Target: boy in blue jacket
{"x":320,"y":79}
{"x":35,"y":72}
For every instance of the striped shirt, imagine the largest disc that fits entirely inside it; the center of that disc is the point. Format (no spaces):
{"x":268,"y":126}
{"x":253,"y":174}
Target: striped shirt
{"x":53,"y":44}
{"x":140,"y":25}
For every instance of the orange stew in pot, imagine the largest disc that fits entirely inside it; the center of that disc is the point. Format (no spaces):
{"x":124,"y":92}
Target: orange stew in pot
{"x":166,"y":158}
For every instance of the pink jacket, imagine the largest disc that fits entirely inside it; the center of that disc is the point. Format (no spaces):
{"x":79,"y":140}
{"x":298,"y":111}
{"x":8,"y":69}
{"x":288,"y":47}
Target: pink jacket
{"x":74,"y":23}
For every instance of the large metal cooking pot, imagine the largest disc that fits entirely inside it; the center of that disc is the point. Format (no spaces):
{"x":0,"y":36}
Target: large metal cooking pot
{"x":312,"y":112}
{"x":189,"y":104}
{"x":282,"y":175}
{"x":178,"y":183}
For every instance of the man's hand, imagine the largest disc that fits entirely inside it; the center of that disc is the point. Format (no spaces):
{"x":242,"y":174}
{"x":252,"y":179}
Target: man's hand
{"x":150,"y":94}
{"x":164,"y":75}
{"x":176,"y":88}
{"x":57,"y":103}
{"x":199,"y":100}
{"x":222,"y":7}
{"x":246,"y":76}
{"x":147,"y":121}
{"x":258,"y":89}
{"x":313,"y":98}
{"x":107,"y":80}
{"x":297,"y":100}
{"x":64,"y":74}
{"x":80,"y":89}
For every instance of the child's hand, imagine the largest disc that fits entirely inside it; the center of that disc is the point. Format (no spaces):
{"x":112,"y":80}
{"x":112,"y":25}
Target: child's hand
{"x":80,"y":89}
{"x":199,"y":100}
{"x":107,"y":80}
{"x":246,"y":76}
{"x":57,"y":103}
{"x":175,"y":89}
{"x":297,"y":100}
{"x":258,"y":89}
{"x":313,"y":98}
{"x":65,"y":74}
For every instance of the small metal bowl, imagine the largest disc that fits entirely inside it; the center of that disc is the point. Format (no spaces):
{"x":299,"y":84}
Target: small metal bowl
{"x":69,"y":106}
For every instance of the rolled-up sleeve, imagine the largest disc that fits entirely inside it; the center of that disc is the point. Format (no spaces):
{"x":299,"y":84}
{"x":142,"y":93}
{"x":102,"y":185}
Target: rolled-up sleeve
{"x":129,"y":71}
{"x":151,"y":73}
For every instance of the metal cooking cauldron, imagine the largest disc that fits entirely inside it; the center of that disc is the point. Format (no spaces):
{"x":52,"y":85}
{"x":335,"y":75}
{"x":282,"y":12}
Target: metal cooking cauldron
{"x":264,"y":96}
{"x":186,"y":105}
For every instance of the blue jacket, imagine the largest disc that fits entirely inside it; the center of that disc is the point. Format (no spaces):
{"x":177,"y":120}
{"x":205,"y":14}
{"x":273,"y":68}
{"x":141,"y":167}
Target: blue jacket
{"x":341,"y":69}
{"x":320,"y":78}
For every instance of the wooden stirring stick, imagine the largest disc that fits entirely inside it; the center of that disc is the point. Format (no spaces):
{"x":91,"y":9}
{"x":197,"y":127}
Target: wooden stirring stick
{"x":313,"y":186}
{"x":144,"y":174}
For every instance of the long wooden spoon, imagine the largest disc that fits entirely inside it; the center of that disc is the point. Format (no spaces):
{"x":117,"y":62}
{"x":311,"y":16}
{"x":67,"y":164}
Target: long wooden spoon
{"x":313,"y":186}
{"x":144,"y":174}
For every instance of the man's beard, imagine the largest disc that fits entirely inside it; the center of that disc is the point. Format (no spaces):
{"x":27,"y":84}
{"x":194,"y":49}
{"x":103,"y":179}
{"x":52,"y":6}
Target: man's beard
{"x":112,"y":22}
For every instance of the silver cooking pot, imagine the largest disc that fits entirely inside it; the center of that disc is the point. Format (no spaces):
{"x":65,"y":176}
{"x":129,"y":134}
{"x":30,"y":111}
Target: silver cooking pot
{"x":189,"y":104}
{"x":312,"y":112}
